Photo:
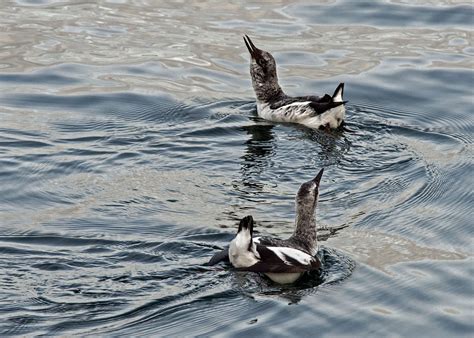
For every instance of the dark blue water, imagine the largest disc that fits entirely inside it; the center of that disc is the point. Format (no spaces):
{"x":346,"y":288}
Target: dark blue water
{"x":130,"y":148}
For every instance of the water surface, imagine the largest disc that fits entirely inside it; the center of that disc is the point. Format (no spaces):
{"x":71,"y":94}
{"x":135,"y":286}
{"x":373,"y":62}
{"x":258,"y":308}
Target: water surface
{"x":130,"y":148}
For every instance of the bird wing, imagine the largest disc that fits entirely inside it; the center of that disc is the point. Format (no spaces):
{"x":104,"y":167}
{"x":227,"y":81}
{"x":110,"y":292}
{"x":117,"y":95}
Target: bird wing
{"x":221,"y":256}
{"x":283,"y":260}
{"x":321,"y":107}
{"x":299,"y":99}
{"x":318,"y":104}
{"x":313,"y":98}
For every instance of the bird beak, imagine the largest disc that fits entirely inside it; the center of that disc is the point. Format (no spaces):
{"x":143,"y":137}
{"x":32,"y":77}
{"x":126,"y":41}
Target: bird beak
{"x":254,"y":51}
{"x":317,"y":179}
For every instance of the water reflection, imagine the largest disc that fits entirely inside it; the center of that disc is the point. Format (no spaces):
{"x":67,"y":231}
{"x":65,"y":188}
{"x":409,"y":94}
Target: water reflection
{"x":259,"y":149}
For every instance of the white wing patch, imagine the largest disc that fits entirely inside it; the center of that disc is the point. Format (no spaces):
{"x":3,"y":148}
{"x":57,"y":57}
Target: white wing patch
{"x":296,"y":104}
{"x":298,"y":255}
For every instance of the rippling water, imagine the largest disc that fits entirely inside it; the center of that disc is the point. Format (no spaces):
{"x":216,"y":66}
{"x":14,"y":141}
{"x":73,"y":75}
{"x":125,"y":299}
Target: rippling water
{"x":130,"y":148}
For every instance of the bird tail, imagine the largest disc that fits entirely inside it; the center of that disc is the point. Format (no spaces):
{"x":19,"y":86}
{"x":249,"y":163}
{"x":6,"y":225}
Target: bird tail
{"x":338,"y":93}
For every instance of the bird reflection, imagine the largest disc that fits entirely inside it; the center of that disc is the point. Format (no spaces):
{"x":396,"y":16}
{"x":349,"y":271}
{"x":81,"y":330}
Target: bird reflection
{"x":261,"y":146}
{"x":329,"y":147}
{"x":334,"y":144}
{"x":258,"y":153}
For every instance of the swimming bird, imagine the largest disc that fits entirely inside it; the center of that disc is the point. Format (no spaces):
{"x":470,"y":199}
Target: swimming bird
{"x":283,"y":261}
{"x":326,"y":112}
{"x":282,"y":264}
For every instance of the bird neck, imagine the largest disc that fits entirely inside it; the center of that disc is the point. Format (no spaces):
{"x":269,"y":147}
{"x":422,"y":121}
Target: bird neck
{"x":305,"y":230}
{"x":266,"y":87}
{"x":268,"y":92}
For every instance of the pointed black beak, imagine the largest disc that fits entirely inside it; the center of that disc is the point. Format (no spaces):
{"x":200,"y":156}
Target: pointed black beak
{"x":254,"y":51}
{"x":317,"y":179}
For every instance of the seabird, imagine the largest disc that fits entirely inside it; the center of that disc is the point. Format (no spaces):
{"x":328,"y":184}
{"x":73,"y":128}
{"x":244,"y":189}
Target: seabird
{"x":283,"y":261}
{"x":325,"y":112}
